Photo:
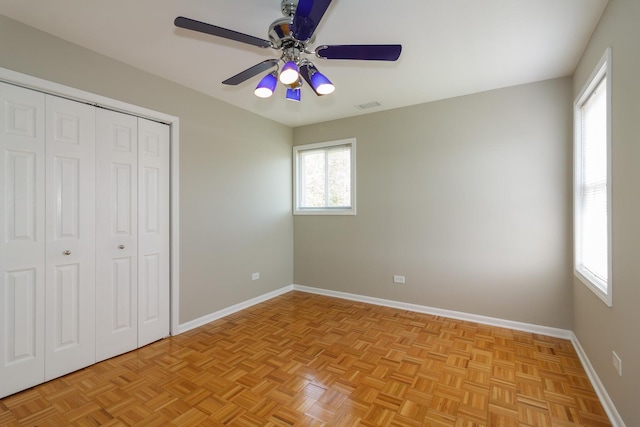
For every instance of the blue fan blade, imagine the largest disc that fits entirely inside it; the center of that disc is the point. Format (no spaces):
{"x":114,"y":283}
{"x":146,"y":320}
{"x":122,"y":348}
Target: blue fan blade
{"x":202,"y":27}
{"x":250,"y":72}
{"x":366,"y":52}
{"x":308,"y":15}
{"x":304,"y":72}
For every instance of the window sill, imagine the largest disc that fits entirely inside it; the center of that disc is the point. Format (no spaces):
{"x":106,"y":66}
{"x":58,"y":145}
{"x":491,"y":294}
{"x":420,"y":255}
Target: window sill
{"x":324,"y":212}
{"x":595,"y":288}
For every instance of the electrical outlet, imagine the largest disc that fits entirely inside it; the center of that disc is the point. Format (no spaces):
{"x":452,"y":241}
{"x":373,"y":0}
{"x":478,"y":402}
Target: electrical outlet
{"x":617,"y":363}
{"x":398,"y":279}
{"x":255,"y":276}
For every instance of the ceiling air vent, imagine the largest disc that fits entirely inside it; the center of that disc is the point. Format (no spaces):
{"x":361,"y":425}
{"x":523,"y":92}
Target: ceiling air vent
{"x":368,"y":105}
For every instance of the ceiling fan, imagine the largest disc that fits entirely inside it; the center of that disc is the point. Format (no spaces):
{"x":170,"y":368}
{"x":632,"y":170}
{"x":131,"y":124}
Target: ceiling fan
{"x":292,"y":36}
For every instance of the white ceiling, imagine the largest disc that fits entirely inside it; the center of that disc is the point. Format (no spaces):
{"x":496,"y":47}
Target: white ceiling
{"x":450,"y":47}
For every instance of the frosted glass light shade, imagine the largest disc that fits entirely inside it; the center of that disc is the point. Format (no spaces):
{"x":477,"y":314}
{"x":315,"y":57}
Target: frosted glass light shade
{"x":267,"y":86}
{"x":321,"y":84}
{"x":289,"y":73}
{"x":293,"y":94}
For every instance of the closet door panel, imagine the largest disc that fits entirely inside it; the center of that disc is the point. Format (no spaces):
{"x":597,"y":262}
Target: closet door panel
{"x":117,"y":231}
{"x":153,"y":252}
{"x":22,"y":238}
{"x":70,"y":264}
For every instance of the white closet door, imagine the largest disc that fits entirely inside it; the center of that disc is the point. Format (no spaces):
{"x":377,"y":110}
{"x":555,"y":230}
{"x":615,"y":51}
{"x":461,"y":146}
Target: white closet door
{"x":116,"y":234}
{"x":153,"y":231}
{"x":70,"y":225}
{"x":22,"y":238}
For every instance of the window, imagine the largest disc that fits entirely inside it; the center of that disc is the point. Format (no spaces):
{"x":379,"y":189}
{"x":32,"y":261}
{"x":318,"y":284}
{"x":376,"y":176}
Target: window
{"x":324,"y":178}
{"x":592,"y":200}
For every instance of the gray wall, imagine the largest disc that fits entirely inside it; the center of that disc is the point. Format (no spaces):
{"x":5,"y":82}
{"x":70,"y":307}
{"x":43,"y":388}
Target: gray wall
{"x":235,"y":170}
{"x":599,"y":328}
{"x":469,"y":198}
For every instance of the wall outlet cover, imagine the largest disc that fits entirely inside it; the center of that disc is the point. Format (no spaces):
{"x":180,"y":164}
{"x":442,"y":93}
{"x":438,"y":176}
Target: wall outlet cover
{"x":398,"y":279}
{"x":617,"y":362}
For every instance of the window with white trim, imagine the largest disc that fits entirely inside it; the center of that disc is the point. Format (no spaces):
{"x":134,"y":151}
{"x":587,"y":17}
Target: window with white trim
{"x":324,"y":178}
{"x":592,"y":195}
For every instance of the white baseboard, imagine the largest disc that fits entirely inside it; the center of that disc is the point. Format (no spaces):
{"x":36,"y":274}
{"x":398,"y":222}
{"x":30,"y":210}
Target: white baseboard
{"x":485,"y":320}
{"x":607,"y":403}
{"x":493,"y":321}
{"x":184,"y":327}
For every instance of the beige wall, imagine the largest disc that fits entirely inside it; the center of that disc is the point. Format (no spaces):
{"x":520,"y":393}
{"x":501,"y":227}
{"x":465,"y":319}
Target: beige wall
{"x":469,"y":198}
{"x":599,"y":328}
{"x":235,"y":170}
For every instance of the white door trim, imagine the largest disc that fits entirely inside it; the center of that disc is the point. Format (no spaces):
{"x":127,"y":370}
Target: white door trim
{"x":63,"y":91}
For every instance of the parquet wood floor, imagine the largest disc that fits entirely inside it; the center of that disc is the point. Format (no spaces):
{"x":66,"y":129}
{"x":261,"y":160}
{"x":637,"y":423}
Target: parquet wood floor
{"x":309,"y":360}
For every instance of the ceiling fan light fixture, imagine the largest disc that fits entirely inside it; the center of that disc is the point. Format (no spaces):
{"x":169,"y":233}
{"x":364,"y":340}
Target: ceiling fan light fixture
{"x":321,"y":84}
{"x":292,"y":36}
{"x":267,"y":86}
{"x":294,"y":94}
{"x":290,"y":73}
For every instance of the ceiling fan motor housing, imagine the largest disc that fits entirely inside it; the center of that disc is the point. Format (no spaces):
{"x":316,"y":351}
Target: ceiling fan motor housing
{"x":280,"y":33}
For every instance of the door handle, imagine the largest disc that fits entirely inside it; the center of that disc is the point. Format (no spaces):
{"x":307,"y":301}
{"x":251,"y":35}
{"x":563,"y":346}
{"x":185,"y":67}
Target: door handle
{"x":121,"y":247}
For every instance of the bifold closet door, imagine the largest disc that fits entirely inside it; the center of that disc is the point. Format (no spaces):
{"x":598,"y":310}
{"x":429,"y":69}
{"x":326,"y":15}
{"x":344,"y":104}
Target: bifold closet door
{"x":153,"y":231}
{"x":84,"y":235}
{"x":22,"y":238}
{"x":116,"y":233}
{"x":70,"y":236}
{"x":132,"y":238}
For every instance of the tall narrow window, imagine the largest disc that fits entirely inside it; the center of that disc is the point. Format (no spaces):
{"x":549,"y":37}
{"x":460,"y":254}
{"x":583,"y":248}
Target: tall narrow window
{"x":592,"y":182}
{"x":324,"y":178}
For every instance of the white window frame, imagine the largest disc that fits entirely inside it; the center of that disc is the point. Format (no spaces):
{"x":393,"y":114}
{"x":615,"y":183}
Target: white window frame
{"x":297,"y":210}
{"x":601,"y":288}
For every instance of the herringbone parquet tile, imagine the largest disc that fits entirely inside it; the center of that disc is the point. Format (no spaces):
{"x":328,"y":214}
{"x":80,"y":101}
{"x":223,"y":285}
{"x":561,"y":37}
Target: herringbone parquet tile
{"x":309,"y":360}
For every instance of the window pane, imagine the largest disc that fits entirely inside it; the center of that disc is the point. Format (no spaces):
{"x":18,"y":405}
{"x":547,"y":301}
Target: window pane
{"x":339,"y":179}
{"x":593,"y":251}
{"x":324,"y":181}
{"x":594,"y":237}
{"x":313,"y":179}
